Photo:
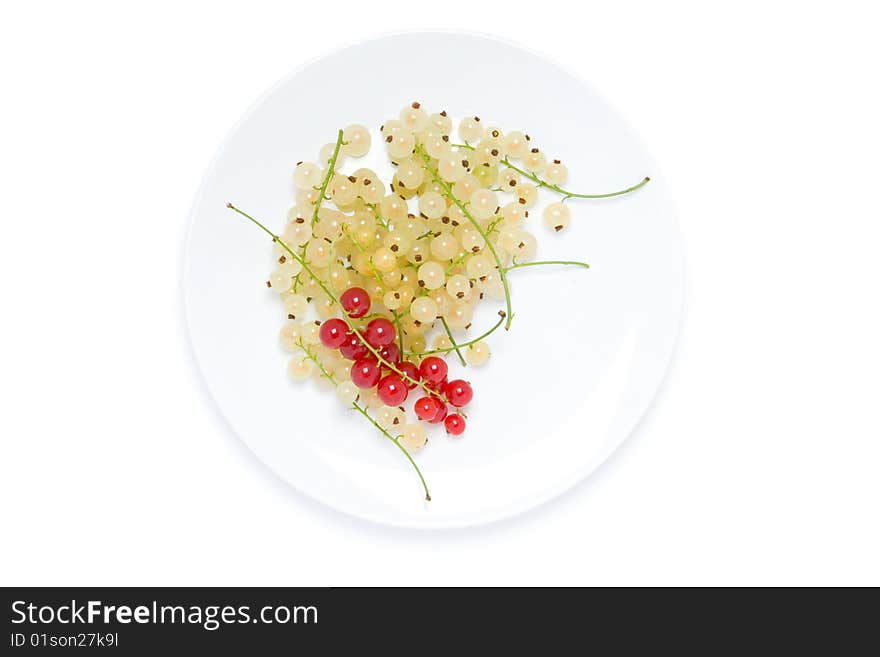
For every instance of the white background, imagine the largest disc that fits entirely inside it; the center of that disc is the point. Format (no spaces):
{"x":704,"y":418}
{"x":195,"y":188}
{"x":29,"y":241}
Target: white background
{"x":759,"y":462}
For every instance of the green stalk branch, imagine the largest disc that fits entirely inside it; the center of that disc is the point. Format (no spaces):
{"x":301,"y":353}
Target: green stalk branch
{"x":556,"y":188}
{"x":335,"y":299}
{"x":447,"y":188}
{"x":452,"y":340}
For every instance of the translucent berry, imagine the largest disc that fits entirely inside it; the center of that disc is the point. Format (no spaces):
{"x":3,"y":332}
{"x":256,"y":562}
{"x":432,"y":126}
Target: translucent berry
{"x":365,"y":373}
{"x":392,"y":390}
{"x":433,"y":369}
{"x":356,"y":302}
{"x":458,"y":392}
{"x":454,"y":424}
{"x":379,"y":333}
{"x":333,"y":333}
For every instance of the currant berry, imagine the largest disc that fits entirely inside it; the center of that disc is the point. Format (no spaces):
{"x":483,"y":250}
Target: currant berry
{"x":355,"y":301}
{"x":392,"y":390}
{"x":454,"y":424}
{"x":365,"y":373}
{"x":353,"y":348}
{"x":433,"y":369}
{"x":427,"y":408}
{"x":441,"y":414}
{"x":390,"y":352}
{"x":333,"y":333}
{"x":411,"y":371}
{"x":458,"y":392}
{"x":379,"y":333}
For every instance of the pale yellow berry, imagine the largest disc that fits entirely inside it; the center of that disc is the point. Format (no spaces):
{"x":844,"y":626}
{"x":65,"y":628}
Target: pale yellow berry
{"x":307,"y":175}
{"x":300,"y":368}
{"x":423,"y":309}
{"x":444,"y":246}
{"x":432,"y":275}
{"x":452,"y":167}
{"x":515,"y":144}
{"x":478,"y":353}
{"x":296,"y":305}
{"x":483,"y":203}
{"x":458,"y":287}
{"x":310,"y":333}
{"x":414,"y":118}
{"x":290,"y":335}
{"x":346,"y":392}
{"x":319,"y":253}
{"x":527,"y":194}
{"x":470,"y":129}
{"x":401,"y":145}
{"x":357,"y":140}
{"x":414,"y":436}
{"x":280,"y":281}
{"x":459,"y":316}
{"x":556,"y":173}
{"x":557,"y":216}
{"x":442,"y":342}
{"x":432,"y":205}
{"x":479,"y":265}
{"x":535,"y":161}
{"x":384,"y":259}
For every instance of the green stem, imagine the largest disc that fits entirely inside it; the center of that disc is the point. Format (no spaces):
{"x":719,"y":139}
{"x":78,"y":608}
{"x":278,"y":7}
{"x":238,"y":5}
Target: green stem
{"x":312,"y":357}
{"x":455,"y":263}
{"x":452,"y":340}
{"x":403,"y":449}
{"x":461,"y":206}
{"x":556,"y":188}
{"x":485,"y":335}
{"x":335,"y":299}
{"x":518,"y":265}
{"x":331,"y":169}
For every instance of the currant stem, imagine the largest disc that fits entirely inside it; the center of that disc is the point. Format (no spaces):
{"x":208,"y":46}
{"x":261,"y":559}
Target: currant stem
{"x":331,"y":169}
{"x":574,"y":263}
{"x":461,"y":206}
{"x":364,"y":412}
{"x":403,"y":449}
{"x":485,"y":335}
{"x":335,"y":300}
{"x":452,"y":340}
{"x":556,"y":188}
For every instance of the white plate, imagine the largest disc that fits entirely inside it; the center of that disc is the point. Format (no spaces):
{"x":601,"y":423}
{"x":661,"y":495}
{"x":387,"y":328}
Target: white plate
{"x":587,"y":349}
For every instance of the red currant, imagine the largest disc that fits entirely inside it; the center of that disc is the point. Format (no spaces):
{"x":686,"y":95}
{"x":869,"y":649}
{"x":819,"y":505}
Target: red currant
{"x":411,"y":371}
{"x":392,"y":390}
{"x":433,"y":369}
{"x":390,"y":352}
{"x":365,"y":373}
{"x":441,"y":414}
{"x":427,"y":408}
{"x":458,"y":392}
{"x":454,"y":424}
{"x":379,"y":333}
{"x":333,"y":332}
{"x":355,"y":301}
{"x":353,"y":348}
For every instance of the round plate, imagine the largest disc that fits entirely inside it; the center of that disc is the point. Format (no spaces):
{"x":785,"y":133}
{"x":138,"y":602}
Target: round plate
{"x":587,"y":349}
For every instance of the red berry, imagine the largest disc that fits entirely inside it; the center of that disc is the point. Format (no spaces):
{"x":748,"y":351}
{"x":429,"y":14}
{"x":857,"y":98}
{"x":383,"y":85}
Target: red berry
{"x":353,"y":348}
{"x":390,"y":352}
{"x":458,"y":392}
{"x":333,"y":332}
{"x":365,"y":373}
{"x":411,"y":371}
{"x":379,"y":332}
{"x":427,"y":408}
{"x":441,"y":414}
{"x":355,"y":301}
{"x":433,"y":369}
{"x":392,"y":390}
{"x":454,"y":424}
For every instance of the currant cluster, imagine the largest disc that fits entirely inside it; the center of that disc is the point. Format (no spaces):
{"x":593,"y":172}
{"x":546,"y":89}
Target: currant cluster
{"x":386,"y":269}
{"x":391,"y":377}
